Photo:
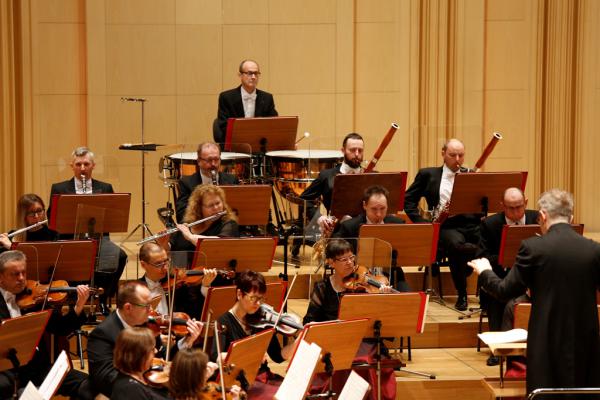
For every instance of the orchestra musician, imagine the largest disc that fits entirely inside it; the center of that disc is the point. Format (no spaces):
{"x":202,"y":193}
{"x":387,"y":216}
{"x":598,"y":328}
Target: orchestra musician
{"x":250,"y":294}
{"x":459,"y":234}
{"x":325,"y":303}
{"x":244,"y":101}
{"x":133,"y":355}
{"x":83,"y":164}
{"x":209,"y":162}
{"x":30,"y":211}
{"x":13,"y":281}
{"x":562,"y":271}
{"x":133,"y":309}
{"x":188,"y":299}
{"x":514,"y":212}
{"x":189,"y":372}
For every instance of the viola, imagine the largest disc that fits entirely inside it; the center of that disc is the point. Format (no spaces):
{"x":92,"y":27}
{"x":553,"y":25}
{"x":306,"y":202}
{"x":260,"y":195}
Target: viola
{"x":361,"y":280}
{"x":212,"y":391}
{"x":159,"y":323}
{"x":192,"y":277}
{"x":35,"y":293}
{"x":158,"y":374}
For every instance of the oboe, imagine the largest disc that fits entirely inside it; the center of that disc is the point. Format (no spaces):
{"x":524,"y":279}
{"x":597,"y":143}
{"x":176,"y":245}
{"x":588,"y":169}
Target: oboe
{"x":173,"y":230}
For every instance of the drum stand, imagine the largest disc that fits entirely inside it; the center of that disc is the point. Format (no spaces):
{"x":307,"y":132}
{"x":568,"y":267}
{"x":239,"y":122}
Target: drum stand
{"x":143,"y":226}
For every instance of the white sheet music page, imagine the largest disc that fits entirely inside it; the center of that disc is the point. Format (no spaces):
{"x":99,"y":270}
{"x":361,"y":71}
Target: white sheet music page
{"x":298,"y":377}
{"x":59,"y":370}
{"x":31,"y":393}
{"x":513,"y":336}
{"x":355,"y":388}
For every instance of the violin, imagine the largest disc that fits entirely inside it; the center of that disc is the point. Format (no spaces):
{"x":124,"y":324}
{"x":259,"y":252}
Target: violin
{"x":212,"y":391}
{"x":35,"y":293}
{"x":361,"y":280}
{"x":192,"y":277}
{"x":159,"y":323}
{"x":288,"y":325}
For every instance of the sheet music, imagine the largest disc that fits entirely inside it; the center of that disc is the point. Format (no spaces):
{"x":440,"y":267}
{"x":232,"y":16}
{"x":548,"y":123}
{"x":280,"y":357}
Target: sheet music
{"x":299,"y":374}
{"x":59,"y":370}
{"x":355,"y":388}
{"x":31,"y":393}
{"x":513,"y":336}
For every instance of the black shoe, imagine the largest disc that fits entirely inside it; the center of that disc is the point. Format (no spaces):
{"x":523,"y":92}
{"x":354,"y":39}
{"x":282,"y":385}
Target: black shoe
{"x":461,"y":303}
{"x":493,"y":360}
{"x":104,"y":309}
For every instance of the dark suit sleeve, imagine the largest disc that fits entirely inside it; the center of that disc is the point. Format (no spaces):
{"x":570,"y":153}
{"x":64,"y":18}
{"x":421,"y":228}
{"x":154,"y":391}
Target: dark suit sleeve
{"x":413,"y":196}
{"x":63,"y":325}
{"x":316,"y":188}
{"x":184,"y":194}
{"x":224,"y":112}
{"x":100,"y":354}
{"x":269,"y":110}
{"x":515,"y":283}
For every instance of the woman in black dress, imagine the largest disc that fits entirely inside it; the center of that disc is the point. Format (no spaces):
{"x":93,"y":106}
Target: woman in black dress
{"x":30,"y":211}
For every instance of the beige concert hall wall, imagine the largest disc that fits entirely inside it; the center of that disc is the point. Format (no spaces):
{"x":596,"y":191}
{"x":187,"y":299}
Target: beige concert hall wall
{"x":439,"y":69}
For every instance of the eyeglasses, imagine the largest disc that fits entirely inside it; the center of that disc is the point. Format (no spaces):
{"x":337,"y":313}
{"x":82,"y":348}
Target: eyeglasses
{"x":250,"y":73}
{"x":255,"y":299}
{"x":33,"y":213}
{"x":346,"y":259}
{"x":141,"y":305}
{"x":211,"y":160}
{"x":161,"y":264}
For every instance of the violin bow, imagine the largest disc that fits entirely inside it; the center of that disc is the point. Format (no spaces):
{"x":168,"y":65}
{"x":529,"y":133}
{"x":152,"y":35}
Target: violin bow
{"x":220,"y":361}
{"x":171,"y":307}
{"x":289,"y":290}
{"x":208,"y":317}
{"x":51,"y":278}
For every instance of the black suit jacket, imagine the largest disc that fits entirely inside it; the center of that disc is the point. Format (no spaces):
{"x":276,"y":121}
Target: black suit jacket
{"x":562,"y":270}
{"x":491,"y":235}
{"x":322,"y":186}
{"x":426,"y":184}
{"x":188,"y":183}
{"x":231,"y":106}
{"x":351,"y":228}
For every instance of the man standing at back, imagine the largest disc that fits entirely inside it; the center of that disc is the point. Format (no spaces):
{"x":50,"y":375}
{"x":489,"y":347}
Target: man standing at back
{"x":245,"y":101}
{"x":562,"y":271}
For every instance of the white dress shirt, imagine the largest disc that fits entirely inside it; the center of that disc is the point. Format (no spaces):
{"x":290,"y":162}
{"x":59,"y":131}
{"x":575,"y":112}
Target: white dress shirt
{"x":156,"y":289}
{"x":11,"y":303}
{"x":249,"y":102}
{"x":346,"y":169}
{"x":446,"y":185}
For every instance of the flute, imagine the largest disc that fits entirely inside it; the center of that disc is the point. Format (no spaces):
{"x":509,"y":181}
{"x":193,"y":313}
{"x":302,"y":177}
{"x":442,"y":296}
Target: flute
{"x":173,"y":230}
{"x":27,"y":228}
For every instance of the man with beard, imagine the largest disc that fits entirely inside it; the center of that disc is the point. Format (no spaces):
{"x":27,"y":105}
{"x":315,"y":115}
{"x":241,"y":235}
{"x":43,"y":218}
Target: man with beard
{"x":322,"y":188}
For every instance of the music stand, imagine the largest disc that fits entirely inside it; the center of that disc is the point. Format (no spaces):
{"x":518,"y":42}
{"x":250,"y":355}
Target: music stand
{"x":391,"y":315}
{"x":262,"y":134}
{"x":255,"y":254}
{"x":412,"y":244}
{"x":250,"y":203}
{"x":76,"y":262}
{"x":64,"y":211}
{"x":513,"y":235}
{"x":482,"y":192}
{"x":19,"y":337}
{"x":245,"y":357}
{"x":348,"y":190}
{"x":220,"y":299}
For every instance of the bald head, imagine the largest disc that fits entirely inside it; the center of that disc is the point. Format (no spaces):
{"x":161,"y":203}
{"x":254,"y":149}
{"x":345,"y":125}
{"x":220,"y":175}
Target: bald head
{"x":453,"y":153}
{"x":514,"y":203}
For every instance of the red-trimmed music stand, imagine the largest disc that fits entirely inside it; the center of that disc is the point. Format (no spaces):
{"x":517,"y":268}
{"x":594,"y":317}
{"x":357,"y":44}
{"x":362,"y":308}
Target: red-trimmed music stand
{"x":391,"y":315}
{"x":255,"y":254}
{"x":513,"y":235}
{"x":19,"y":337}
{"x":249,"y":202}
{"x":348,"y":189}
{"x":262,"y":134}
{"x":76,"y":262}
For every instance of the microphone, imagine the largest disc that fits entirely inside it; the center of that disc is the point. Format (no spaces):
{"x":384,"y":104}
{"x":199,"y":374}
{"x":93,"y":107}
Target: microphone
{"x":306,"y":134}
{"x":83,"y":184}
{"x":141,"y":99}
{"x":213,"y":177}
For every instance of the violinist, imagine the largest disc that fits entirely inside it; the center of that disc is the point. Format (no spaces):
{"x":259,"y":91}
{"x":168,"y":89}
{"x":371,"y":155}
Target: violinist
{"x":30,"y":211}
{"x":133,"y":309}
{"x":325,"y":298}
{"x":187,"y":379}
{"x":325,"y":303}
{"x":133,"y":355}
{"x":13,"y":278}
{"x":189,"y":299}
{"x":238,"y":321}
